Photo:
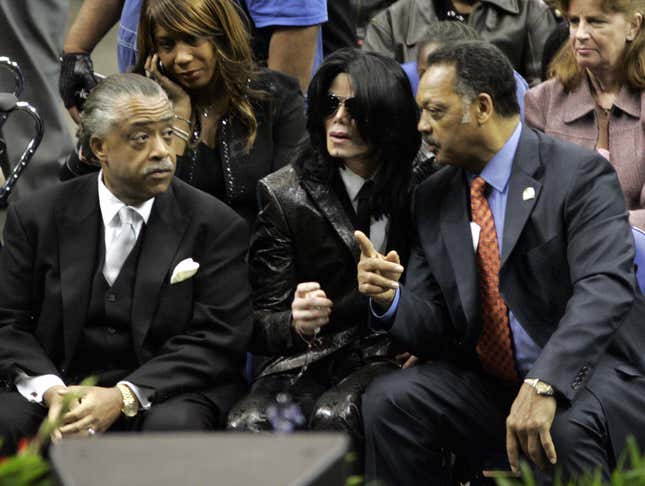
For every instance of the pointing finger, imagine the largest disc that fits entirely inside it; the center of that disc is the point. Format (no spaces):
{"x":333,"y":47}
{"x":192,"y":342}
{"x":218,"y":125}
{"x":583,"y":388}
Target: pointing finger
{"x":367,"y":249}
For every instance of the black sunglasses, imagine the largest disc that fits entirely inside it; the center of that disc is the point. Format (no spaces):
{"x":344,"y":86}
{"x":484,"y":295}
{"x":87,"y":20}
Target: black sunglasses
{"x":333,"y":102}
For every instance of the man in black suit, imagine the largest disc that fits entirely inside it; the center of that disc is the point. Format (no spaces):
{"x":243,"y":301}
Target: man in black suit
{"x":520,"y":297}
{"x":132,"y":277}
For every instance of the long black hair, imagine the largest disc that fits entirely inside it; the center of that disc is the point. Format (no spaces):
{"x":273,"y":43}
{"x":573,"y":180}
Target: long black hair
{"x":388,"y":124}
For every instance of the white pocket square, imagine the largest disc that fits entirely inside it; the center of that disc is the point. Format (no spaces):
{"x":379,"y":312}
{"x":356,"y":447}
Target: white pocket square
{"x":184,"y":270}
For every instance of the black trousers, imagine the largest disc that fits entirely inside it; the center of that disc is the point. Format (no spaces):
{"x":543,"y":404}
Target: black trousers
{"x":416,"y":418}
{"x":190,"y":411}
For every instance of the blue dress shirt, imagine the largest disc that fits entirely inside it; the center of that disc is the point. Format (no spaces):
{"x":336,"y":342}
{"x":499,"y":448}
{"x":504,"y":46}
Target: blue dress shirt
{"x":497,"y":174}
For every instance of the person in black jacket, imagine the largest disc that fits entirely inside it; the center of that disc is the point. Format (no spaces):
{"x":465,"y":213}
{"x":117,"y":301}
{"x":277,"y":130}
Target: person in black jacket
{"x":356,"y":174}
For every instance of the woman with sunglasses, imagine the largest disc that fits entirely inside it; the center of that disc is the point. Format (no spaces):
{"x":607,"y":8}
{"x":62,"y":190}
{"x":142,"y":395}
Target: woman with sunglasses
{"x":235,"y":123}
{"x":355,"y":174}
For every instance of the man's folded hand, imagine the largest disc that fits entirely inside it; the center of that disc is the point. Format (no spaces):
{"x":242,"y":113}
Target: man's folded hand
{"x":97,"y":410}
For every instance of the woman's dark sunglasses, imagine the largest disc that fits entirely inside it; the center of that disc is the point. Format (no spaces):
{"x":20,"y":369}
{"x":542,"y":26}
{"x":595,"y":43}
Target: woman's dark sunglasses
{"x":333,"y":102}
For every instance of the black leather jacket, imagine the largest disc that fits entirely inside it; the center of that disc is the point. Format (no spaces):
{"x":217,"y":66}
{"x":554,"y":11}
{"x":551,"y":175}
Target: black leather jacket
{"x":303,"y":233}
{"x":518,"y":27}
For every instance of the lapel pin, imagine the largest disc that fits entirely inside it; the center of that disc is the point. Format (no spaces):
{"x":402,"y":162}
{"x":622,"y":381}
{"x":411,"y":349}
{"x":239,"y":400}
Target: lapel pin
{"x":529,"y":193}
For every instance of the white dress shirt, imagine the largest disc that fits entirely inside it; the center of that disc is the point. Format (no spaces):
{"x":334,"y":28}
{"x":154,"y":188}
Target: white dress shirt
{"x":34,"y":387}
{"x":378,"y":227}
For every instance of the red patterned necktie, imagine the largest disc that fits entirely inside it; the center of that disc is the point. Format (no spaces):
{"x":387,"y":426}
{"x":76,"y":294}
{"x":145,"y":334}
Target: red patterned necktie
{"x":494,"y":345}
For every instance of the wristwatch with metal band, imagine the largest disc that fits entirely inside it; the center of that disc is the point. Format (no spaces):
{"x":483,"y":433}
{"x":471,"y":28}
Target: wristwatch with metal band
{"x":130,"y":403}
{"x":541,"y":388}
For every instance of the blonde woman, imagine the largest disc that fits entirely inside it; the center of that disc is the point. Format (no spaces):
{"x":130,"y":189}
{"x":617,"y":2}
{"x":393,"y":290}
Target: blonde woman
{"x":596,"y":96}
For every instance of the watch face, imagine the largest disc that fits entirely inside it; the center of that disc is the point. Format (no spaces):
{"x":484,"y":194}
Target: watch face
{"x":543,"y":388}
{"x":129,"y":411}
{"x":130,"y":407}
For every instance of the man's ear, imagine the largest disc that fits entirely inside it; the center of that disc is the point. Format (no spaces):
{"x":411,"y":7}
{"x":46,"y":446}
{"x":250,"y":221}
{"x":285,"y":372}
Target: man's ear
{"x":483,"y":108}
{"x":98,"y":148}
{"x":634,"y":26}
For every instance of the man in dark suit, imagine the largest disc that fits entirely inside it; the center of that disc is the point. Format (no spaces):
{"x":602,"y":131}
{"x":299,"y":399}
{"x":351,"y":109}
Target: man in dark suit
{"x":520,"y":295}
{"x":132,"y":277}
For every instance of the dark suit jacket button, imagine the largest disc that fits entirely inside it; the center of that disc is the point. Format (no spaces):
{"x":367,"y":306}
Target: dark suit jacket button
{"x":111,"y":297}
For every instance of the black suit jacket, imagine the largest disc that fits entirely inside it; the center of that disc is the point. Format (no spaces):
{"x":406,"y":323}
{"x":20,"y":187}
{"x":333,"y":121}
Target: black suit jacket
{"x":567,"y":270}
{"x":188,"y":336}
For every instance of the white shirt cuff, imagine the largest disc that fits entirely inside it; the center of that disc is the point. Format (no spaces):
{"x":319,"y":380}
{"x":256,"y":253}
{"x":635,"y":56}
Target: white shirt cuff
{"x":141,"y":393}
{"x":34,"y":387}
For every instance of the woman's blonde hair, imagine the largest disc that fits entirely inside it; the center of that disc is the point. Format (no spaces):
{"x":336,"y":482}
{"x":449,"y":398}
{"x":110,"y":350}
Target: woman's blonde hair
{"x":565,"y":68}
{"x":221,"y":22}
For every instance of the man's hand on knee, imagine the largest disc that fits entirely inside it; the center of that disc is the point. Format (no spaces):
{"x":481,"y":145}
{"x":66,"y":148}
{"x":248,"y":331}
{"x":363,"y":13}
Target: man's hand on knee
{"x":528,"y":427}
{"x":97,"y":410}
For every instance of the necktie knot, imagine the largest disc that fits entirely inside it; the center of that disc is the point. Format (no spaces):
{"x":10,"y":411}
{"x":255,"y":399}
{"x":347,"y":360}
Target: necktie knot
{"x":127,"y":216}
{"x":122,"y":244}
{"x":478,"y":188}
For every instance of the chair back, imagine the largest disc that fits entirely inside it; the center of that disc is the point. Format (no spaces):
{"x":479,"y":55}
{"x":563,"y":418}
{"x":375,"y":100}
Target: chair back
{"x":639,"y":259}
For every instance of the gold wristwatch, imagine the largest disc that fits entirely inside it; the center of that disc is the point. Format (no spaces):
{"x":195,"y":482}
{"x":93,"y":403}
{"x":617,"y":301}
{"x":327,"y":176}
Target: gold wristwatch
{"x":541,"y":388}
{"x":130,"y":403}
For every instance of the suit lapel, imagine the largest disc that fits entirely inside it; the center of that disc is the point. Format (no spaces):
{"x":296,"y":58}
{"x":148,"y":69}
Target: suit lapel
{"x":163,"y":234}
{"x":78,"y":240}
{"x":329,"y":205}
{"x":455,"y":230}
{"x":523,"y":192}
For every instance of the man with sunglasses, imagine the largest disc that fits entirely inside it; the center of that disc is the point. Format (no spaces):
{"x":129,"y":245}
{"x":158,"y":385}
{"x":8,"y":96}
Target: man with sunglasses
{"x":355,"y":174}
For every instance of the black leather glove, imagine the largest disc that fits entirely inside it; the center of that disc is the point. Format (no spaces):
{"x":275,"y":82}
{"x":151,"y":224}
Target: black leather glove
{"x":76,"y":79}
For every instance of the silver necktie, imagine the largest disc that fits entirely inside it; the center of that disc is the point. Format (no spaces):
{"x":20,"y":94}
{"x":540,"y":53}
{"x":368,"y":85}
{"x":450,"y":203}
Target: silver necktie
{"x":122,"y":243}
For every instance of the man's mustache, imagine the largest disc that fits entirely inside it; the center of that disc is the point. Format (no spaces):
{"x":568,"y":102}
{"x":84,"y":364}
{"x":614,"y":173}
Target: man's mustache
{"x":431,"y":141}
{"x":162,"y":165}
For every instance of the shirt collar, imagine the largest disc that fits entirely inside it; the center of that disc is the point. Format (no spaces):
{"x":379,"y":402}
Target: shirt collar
{"x":352,"y":181}
{"x":110,"y":204}
{"x":498,"y":169}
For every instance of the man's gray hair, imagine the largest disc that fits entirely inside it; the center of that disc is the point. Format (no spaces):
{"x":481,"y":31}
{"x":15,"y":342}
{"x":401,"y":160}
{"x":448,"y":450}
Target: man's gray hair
{"x":99,"y":112}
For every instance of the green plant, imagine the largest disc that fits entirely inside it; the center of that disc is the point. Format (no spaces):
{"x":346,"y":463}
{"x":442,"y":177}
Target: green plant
{"x":630,"y":471}
{"x":28,"y":466}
